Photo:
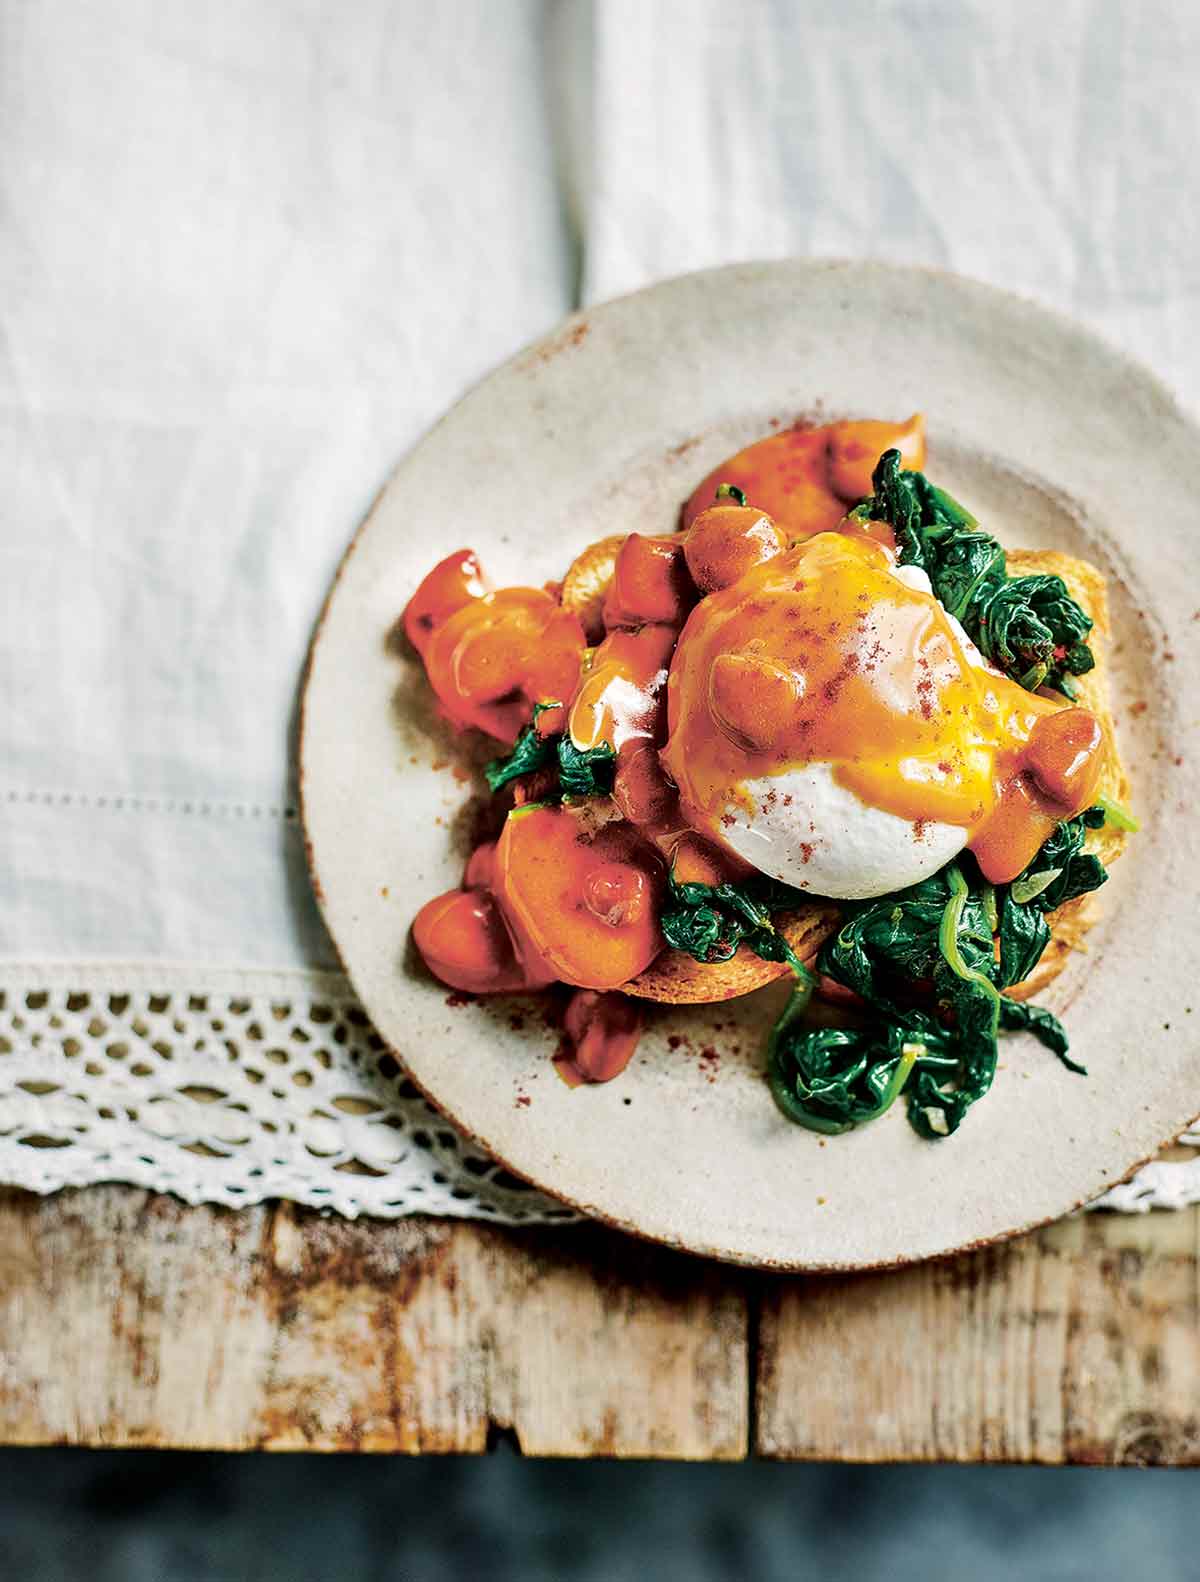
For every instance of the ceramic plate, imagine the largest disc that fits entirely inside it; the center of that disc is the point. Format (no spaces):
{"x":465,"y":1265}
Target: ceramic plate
{"x":1054,"y":441}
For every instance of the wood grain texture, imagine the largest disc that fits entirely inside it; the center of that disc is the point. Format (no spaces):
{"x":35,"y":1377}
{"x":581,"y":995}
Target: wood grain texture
{"x":1080,"y":1343}
{"x":128,"y":1319}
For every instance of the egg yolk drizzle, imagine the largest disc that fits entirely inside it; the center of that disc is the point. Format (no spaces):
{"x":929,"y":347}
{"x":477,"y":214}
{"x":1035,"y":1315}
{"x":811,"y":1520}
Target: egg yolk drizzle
{"x":822,"y":654}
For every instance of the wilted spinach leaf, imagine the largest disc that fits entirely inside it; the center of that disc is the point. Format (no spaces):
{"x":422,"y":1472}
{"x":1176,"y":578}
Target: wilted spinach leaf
{"x":1018,"y":1016}
{"x":831,"y":1079}
{"x":925,"y":963}
{"x":710,"y":921}
{"x":530,"y":752}
{"x":580,"y":772}
{"x":1030,"y":627}
{"x":1070,"y":870}
{"x":585,"y":773}
{"x":1060,"y":871}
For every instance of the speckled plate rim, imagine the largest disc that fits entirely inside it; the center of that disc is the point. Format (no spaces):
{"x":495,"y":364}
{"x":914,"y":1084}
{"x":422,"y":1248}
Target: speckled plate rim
{"x":977,"y":328}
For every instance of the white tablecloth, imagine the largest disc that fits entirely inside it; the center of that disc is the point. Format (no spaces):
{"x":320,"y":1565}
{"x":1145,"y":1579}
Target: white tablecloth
{"x":252,"y":251}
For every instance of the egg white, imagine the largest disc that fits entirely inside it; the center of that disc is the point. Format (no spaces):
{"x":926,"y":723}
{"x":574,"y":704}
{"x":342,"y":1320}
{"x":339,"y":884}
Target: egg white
{"x":811,"y":832}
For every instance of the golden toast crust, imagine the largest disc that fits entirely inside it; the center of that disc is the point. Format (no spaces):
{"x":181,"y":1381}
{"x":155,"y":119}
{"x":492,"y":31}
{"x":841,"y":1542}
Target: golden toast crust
{"x":1070,"y":924}
{"x":676,"y":978}
{"x":586,"y":583}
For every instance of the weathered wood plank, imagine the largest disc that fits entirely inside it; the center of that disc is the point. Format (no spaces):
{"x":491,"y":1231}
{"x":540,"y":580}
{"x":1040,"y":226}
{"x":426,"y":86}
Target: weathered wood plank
{"x":1080,"y":1343}
{"x":128,"y":1319}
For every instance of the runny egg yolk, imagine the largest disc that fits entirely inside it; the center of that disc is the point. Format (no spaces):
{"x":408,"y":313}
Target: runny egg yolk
{"x":822,"y":654}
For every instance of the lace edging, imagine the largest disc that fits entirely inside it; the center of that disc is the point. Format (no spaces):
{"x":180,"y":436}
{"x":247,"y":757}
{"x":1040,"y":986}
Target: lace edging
{"x":228,"y":1087}
{"x":234,"y":1086}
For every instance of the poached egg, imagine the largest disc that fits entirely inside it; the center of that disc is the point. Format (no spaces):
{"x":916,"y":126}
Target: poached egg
{"x":831,"y":724}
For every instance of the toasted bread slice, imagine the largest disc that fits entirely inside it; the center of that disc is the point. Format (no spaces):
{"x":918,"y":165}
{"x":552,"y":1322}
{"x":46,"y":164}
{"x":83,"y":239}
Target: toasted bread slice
{"x":1070,"y":924}
{"x":1088,"y":588}
{"x":676,"y":978}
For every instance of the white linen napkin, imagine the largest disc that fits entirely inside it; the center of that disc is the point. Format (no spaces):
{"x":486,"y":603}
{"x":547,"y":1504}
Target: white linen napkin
{"x":251,"y":254}
{"x":1053,"y":150}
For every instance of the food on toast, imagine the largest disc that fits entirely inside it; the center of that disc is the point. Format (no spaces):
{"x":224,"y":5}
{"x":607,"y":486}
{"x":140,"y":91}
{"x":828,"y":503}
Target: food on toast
{"x":826,"y":730}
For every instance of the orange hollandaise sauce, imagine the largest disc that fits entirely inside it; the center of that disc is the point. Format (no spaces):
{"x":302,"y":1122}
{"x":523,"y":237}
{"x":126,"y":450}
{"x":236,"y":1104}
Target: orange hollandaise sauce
{"x":621,"y":703}
{"x":464,"y":941}
{"x":585,"y":900}
{"x":804,"y":478}
{"x":650,"y":583}
{"x":821,"y":654}
{"x":622,"y":692}
{"x":489,"y":656}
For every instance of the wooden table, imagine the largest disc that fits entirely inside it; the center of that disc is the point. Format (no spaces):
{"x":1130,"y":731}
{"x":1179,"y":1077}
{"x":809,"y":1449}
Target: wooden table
{"x":129,"y":1319}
